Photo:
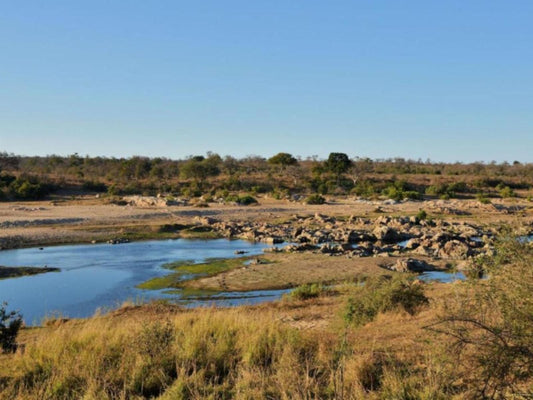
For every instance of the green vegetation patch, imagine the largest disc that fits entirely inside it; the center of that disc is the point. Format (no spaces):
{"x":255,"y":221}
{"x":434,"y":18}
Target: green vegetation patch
{"x":15,"y":272}
{"x":309,"y":291}
{"x":381,"y":294}
{"x":188,"y":270}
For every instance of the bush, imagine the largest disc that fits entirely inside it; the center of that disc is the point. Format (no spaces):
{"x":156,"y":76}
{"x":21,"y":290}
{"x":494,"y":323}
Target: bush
{"x":27,"y":189}
{"x":489,"y":324}
{"x":412,"y":195}
{"x":422,"y":215}
{"x":384,"y":294}
{"x":482,"y":198}
{"x":506,"y":192}
{"x":10,"y":323}
{"x":364,"y":189}
{"x":246,"y":200}
{"x":398,"y":193}
{"x":308,"y":291}
{"x":315,"y":199}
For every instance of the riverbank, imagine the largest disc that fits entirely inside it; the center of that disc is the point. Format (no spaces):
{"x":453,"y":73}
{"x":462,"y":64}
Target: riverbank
{"x":86,"y":219}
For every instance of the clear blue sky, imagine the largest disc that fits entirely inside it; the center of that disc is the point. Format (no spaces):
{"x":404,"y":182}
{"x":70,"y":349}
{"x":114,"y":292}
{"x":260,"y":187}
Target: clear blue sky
{"x":449,"y":80}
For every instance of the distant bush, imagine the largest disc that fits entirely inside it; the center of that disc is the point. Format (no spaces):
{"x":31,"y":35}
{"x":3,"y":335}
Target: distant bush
{"x":364,"y":189}
{"x":447,"y":191}
{"x":6,"y":179}
{"x":315,"y":199}
{"x":28,"y":189}
{"x":482,"y":198}
{"x":506,"y":192}
{"x":308,"y":291}
{"x":399,"y":191}
{"x":412,"y":195}
{"x":280,"y":194}
{"x":384,"y":294}
{"x":10,"y":324}
{"x":246,"y":200}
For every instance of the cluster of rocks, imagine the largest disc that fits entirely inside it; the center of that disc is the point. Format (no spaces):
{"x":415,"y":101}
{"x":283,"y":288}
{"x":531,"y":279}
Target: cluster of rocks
{"x":118,"y":241}
{"x":364,"y":237}
{"x":153,"y":201}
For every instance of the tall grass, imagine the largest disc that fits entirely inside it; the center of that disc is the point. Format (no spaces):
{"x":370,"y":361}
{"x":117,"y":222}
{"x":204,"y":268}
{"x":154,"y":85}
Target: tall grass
{"x":200,"y":354}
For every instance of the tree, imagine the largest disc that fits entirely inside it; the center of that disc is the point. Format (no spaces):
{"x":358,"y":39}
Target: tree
{"x":199,"y":167}
{"x":283,"y":159}
{"x":338,"y":163}
{"x":10,"y":323}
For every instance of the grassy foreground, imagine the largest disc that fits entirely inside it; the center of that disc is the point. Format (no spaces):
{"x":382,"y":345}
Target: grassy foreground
{"x":271,"y":351}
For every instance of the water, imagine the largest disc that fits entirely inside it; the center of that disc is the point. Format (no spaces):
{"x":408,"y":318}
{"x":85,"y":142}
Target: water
{"x":442,"y":276}
{"x":103,"y":276}
{"x":236,"y":298}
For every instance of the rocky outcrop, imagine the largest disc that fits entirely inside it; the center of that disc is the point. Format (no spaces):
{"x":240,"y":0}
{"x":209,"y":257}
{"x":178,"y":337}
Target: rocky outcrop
{"x":363,"y":237}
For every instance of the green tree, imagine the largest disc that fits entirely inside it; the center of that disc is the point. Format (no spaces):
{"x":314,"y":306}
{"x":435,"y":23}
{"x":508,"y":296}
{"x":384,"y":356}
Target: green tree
{"x":283,"y":159}
{"x":337,"y":163}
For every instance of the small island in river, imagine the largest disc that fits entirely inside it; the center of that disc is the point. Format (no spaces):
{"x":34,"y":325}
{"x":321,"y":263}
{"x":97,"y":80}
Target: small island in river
{"x":15,"y":272}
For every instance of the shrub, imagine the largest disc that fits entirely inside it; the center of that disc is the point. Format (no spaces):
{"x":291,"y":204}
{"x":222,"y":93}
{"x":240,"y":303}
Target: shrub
{"x":506,"y":192}
{"x":27,"y":189}
{"x":246,"y":200}
{"x":489,"y":324}
{"x":412,"y":195}
{"x":364,"y":189}
{"x":421,"y":215}
{"x":384,"y":294}
{"x":482,"y":198}
{"x":315,"y":199}
{"x":10,"y":323}
{"x":308,"y":291}
{"x":398,"y":193}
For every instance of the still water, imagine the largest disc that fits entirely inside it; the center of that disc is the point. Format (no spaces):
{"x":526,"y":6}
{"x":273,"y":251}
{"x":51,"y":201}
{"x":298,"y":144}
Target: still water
{"x":102,"y":276}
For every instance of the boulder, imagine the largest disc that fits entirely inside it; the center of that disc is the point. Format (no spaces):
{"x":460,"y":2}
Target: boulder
{"x":386,"y":234}
{"x":411,"y":265}
{"x":205,"y":220}
{"x":455,"y":249}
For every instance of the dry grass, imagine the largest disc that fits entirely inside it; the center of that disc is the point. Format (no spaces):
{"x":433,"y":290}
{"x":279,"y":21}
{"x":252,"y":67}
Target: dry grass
{"x":285,"y":350}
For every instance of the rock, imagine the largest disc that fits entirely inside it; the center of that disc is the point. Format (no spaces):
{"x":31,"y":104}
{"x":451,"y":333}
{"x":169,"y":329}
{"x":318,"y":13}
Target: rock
{"x":386,"y":234}
{"x":411,"y":265}
{"x":299,"y":247}
{"x":412,"y":244}
{"x":273,"y":240}
{"x":273,"y":249}
{"x":205,"y":220}
{"x":118,"y":241}
{"x":455,"y":249}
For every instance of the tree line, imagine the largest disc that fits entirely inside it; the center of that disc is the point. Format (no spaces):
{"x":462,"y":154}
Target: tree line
{"x":34,"y":177}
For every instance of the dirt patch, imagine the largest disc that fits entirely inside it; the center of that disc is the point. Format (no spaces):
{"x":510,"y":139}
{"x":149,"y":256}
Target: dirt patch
{"x":290,"y":270}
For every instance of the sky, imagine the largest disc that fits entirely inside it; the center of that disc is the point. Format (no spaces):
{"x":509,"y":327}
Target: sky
{"x":445,"y":80}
